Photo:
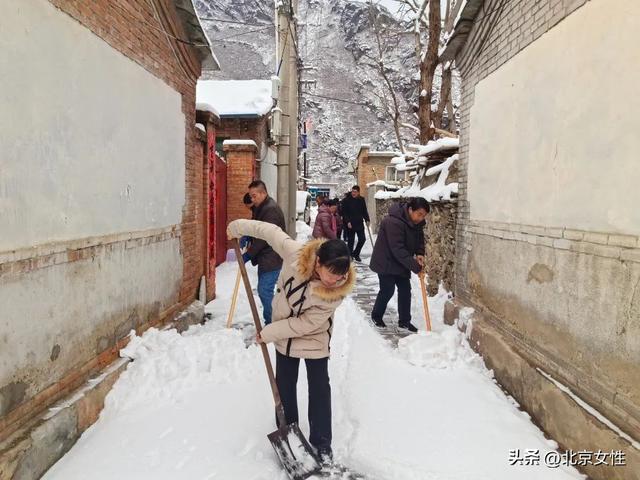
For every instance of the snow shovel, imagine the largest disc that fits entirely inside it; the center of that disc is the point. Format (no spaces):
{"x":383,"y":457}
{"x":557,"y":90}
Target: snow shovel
{"x":293,"y":449}
{"x":234,"y":299}
{"x":425,"y":303}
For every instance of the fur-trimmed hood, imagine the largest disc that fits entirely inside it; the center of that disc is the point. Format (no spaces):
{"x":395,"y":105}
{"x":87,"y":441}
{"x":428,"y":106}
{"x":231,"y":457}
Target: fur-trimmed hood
{"x":305,"y":265}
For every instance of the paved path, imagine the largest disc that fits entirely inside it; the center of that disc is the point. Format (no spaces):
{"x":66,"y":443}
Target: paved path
{"x":365,"y":294}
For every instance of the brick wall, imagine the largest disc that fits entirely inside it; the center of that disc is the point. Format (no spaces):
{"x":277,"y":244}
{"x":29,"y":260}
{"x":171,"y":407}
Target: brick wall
{"x":243,"y":129}
{"x":241,"y":169}
{"x":370,"y":168}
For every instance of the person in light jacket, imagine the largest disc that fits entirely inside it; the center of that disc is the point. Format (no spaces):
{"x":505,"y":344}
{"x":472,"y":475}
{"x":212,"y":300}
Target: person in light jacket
{"x":399,"y":250}
{"x":316,"y":277}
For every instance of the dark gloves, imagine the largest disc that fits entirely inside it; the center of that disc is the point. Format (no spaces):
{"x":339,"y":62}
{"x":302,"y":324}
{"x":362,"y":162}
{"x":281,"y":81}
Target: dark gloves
{"x":244,"y":241}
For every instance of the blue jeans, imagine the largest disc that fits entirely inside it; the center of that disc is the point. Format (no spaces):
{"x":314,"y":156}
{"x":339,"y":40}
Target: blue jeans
{"x":266,"y":286}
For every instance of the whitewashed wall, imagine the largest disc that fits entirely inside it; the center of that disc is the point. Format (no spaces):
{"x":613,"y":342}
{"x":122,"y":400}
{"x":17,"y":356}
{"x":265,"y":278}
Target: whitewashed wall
{"x":554,"y":132}
{"x":91,"y":145}
{"x":90,"y":142}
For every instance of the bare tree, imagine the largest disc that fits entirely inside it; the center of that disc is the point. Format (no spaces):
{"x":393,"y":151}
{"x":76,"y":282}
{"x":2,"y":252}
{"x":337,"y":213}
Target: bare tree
{"x":427,"y":28}
{"x":386,"y":39}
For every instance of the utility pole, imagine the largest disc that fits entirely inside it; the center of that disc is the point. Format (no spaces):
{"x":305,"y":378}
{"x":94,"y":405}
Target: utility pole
{"x":286,"y":64}
{"x":293,"y":121}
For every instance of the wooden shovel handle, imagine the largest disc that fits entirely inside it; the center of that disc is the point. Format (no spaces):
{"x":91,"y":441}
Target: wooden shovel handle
{"x":370,"y":236}
{"x":234,"y":299}
{"x":256,"y":319}
{"x":425,"y":302}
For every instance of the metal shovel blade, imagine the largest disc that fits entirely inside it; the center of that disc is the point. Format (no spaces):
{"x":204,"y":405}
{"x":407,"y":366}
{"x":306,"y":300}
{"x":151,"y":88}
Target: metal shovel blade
{"x":294,"y":451}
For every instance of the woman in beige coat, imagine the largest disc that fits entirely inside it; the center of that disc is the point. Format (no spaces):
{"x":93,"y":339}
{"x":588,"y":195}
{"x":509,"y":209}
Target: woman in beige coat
{"x":315,"y":278}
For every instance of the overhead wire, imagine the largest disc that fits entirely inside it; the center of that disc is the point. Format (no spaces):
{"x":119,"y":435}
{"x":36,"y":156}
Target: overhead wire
{"x":221,"y":20}
{"x":241,"y":34}
{"x":160,"y":29}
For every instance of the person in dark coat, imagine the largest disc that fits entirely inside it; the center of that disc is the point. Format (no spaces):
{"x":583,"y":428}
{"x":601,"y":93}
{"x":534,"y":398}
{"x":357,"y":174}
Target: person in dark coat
{"x":399,"y":250}
{"x":260,"y":252}
{"x":355,"y":214}
{"x":248,"y":203}
{"x":344,"y":230}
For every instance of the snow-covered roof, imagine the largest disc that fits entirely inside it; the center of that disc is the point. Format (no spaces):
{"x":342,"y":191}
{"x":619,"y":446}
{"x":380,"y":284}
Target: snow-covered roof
{"x":438,"y":191}
{"x":235,"y":98}
{"x":434,"y":146}
{"x":251,"y":143}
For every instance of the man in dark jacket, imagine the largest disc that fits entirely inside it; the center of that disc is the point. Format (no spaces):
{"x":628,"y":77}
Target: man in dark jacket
{"x":399,"y":250}
{"x":344,"y":229}
{"x":259,"y":252}
{"x":355,"y":214}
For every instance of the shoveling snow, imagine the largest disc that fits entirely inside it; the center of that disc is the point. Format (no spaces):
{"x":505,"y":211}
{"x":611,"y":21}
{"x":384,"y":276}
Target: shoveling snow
{"x":198,"y":406}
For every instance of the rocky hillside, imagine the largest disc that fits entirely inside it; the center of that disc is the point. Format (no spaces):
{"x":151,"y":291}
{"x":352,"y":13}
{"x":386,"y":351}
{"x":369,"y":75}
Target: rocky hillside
{"x":335,"y":42}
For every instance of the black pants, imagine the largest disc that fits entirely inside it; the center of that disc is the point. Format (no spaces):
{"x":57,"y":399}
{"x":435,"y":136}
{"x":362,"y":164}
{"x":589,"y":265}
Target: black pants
{"x":388,"y":285}
{"x":319,"y":395}
{"x":361,"y":239}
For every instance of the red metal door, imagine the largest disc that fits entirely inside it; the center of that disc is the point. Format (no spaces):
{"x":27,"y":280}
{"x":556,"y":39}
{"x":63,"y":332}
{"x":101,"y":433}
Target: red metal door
{"x":220,"y":208}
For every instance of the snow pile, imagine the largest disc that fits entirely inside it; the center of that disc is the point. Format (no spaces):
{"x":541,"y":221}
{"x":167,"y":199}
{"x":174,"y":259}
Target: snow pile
{"x":234,"y":97}
{"x":445,"y":349}
{"x":303,"y":230}
{"x":168,"y":372}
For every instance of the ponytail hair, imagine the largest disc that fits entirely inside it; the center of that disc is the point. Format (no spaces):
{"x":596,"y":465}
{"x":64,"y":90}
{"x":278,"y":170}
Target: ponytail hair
{"x":334,"y":256}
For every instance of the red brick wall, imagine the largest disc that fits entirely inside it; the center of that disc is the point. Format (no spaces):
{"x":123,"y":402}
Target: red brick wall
{"x":241,"y":169}
{"x":243,"y":129}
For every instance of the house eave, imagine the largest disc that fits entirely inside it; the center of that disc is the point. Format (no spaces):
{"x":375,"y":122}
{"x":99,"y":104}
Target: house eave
{"x":460,"y":33}
{"x":196,"y":34}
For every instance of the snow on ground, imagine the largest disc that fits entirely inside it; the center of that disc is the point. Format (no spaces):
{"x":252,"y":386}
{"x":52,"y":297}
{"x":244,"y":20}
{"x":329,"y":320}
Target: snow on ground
{"x":198,"y":406}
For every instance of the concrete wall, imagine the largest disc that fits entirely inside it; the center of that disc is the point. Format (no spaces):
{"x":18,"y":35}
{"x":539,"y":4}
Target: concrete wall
{"x":547,"y":245}
{"x":80,"y":130}
{"x":556,"y":138}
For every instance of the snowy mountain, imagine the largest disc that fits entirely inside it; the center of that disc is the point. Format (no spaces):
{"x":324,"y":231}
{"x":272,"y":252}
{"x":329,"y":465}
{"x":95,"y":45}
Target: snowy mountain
{"x":335,"y":42}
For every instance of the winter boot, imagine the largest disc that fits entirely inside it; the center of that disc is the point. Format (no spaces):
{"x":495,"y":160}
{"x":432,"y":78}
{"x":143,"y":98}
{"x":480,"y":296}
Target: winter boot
{"x":408,"y":326}
{"x":379,"y":323}
{"x":325,"y":456}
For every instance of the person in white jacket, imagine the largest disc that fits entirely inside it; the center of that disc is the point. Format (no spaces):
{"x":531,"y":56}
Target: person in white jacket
{"x":315,"y":278}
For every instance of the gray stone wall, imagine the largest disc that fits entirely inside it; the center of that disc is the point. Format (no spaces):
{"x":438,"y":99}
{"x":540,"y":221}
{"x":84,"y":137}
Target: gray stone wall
{"x":439,"y":241}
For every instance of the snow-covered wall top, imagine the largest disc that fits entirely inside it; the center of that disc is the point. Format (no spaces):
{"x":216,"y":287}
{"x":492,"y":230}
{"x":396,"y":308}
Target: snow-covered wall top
{"x":236,"y":97}
{"x":557,"y":145}
{"x":92,"y":144}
